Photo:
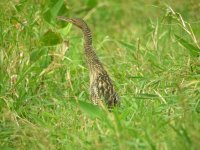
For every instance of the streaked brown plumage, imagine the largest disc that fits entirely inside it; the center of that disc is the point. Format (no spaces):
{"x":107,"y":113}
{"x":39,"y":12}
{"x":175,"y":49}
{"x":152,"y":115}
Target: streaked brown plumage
{"x":100,"y":83}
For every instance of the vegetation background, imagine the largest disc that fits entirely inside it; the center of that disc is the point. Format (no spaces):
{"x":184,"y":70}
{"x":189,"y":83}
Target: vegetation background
{"x":151,"y":50}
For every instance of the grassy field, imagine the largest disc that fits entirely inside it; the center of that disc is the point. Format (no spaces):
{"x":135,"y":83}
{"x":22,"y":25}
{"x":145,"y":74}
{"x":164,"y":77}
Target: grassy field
{"x":150,"y":49}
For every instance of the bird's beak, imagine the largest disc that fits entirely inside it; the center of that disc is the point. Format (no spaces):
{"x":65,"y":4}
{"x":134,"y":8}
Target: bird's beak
{"x":65,"y":19}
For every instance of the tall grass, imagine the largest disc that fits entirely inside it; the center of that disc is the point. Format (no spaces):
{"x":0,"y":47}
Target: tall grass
{"x":150,"y":49}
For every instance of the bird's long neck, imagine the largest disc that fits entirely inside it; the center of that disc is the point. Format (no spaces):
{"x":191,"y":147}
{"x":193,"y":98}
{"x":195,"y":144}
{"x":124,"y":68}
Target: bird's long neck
{"x":91,"y":57}
{"x":87,"y":37}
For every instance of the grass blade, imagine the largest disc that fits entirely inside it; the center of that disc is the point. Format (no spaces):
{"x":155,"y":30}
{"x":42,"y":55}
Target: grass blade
{"x":128,"y":45}
{"x":194,"y":51}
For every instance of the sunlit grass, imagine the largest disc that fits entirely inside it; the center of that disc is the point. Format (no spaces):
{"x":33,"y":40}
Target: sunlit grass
{"x":151,"y":51}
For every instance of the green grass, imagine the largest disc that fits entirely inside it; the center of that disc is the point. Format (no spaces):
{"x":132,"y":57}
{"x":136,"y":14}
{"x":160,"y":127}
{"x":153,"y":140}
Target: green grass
{"x":149,"y":48}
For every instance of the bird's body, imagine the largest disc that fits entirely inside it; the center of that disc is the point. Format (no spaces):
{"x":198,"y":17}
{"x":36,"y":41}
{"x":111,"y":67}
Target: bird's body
{"x":100,"y":83}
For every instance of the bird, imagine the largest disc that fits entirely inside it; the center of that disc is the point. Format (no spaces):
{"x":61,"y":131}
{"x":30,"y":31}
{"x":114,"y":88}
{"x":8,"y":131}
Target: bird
{"x":101,"y":86}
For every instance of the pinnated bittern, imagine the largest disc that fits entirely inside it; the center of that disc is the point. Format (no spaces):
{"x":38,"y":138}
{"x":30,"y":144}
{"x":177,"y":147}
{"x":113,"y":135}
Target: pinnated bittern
{"x":100,"y":83}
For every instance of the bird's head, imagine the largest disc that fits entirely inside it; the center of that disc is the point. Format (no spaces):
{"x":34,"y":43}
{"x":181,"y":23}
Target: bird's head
{"x":76,"y":21}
